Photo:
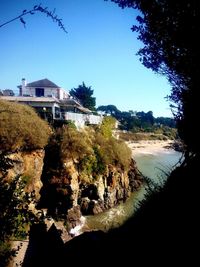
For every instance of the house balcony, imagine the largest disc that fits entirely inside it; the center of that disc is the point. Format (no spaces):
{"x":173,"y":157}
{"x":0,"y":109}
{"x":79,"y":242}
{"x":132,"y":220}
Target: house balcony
{"x":80,"y":120}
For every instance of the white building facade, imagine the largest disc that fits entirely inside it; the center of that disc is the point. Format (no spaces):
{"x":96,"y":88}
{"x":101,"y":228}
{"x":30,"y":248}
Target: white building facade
{"x":42,"y":88}
{"x":53,"y":103}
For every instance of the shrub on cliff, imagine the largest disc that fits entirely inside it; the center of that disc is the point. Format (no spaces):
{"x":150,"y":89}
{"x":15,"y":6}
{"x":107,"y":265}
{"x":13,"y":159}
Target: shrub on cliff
{"x":113,"y":151}
{"x":107,"y":125}
{"x":15,"y":217}
{"x":21,"y":128}
{"x":92,"y":150}
{"x":75,"y":144}
{"x":122,"y":153}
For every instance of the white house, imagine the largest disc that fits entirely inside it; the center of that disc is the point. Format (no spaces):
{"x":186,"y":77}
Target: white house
{"x":53,"y":103}
{"x":42,"y":88}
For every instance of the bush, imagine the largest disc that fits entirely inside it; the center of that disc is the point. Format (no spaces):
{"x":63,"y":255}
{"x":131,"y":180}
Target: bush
{"x":5,"y":253}
{"x":21,"y":128}
{"x":113,"y":151}
{"x":122,"y":153}
{"x":91,"y":150}
{"x":75,"y":144}
{"x":107,"y":125}
{"x":15,"y":217}
{"x":164,"y":133}
{"x":171,"y":133}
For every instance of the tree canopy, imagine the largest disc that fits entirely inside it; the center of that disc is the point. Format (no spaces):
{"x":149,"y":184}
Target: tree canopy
{"x":169,"y":30}
{"x":84,"y":94}
{"x":109,"y":109}
{"x":137,"y":121}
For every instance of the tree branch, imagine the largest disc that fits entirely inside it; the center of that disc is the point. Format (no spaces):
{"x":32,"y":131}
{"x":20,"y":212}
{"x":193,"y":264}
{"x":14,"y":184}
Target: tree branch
{"x":38,"y":8}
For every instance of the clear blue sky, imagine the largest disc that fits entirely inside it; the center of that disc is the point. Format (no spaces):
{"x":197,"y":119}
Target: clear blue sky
{"x":99,"y":49}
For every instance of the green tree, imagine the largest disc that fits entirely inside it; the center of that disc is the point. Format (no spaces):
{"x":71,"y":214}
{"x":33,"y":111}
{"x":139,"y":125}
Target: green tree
{"x":146,"y":119}
{"x":166,"y":121}
{"x":109,"y":109}
{"x":169,"y":30}
{"x":107,"y":125}
{"x":84,"y":94}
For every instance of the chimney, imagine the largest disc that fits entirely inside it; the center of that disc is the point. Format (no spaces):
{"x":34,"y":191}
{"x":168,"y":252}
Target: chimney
{"x":23,"y":87}
{"x":24,"y":81}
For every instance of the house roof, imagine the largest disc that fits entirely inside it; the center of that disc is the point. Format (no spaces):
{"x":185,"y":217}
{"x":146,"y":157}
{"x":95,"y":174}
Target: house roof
{"x":43,"y":83}
{"x":74,"y":103}
{"x":69,"y":102}
{"x":8,"y":92}
{"x":84,"y":110}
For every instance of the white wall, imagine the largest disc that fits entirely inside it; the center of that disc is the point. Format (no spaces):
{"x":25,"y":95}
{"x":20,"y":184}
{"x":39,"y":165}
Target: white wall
{"x":24,"y":89}
{"x":95,"y":119}
{"x":77,"y":118}
{"x":59,"y":93}
{"x":48,"y":92}
{"x":81,"y":119}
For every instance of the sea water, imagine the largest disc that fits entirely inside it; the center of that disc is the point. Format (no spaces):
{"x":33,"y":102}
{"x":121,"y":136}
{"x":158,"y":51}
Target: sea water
{"x":156,"y":166}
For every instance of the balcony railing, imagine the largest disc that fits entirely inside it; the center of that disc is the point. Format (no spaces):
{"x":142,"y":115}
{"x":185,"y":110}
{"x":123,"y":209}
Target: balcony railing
{"x":81,"y":119}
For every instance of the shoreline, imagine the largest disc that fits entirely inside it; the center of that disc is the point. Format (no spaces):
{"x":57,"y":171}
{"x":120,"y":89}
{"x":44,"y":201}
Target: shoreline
{"x":150,"y":146}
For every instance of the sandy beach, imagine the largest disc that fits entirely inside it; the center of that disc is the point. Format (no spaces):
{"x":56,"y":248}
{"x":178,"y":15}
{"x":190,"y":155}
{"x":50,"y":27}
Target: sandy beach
{"x":149,"y":146}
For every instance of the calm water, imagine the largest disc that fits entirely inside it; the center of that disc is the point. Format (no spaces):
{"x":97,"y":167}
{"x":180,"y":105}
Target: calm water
{"x":155,"y":166}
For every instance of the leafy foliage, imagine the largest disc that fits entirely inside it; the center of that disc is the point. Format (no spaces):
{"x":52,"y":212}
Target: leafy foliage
{"x":75,"y":144}
{"x":93,"y":150}
{"x":109,"y":109}
{"x":159,"y":134}
{"x":84,"y":94}
{"x":90,"y":149}
{"x":107,"y":125}
{"x":138,"y":121}
{"x":114,"y":152}
{"x":168,"y":30}
{"x":21,"y":128}
{"x":12,"y":209}
{"x":14,"y":215}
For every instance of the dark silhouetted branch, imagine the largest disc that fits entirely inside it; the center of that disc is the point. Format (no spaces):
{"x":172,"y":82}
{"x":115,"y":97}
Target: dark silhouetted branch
{"x":38,"y":8}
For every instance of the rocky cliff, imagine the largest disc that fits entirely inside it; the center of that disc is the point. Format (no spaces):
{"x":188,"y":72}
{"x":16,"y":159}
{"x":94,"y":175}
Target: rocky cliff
{"x":29,"y":166}
{"x":108,"y":190}
{"x":66,"y":192}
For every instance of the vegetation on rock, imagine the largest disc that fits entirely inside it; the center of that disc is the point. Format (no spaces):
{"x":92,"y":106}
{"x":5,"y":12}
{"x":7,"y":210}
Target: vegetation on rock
{"x":77,"y":161}
{"x":21,"y":128}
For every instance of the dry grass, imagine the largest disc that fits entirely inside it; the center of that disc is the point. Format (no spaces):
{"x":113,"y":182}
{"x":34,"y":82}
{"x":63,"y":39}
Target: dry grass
{"x":21,"y":128}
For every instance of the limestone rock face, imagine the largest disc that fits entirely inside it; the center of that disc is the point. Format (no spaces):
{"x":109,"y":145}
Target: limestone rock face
{"x":91,"y":194}
{"x":72,"y":179}
{"x":73,"y":217}
{"x":108,"y":190}
{"x":29,"y":166}
{"x":69,"y":188}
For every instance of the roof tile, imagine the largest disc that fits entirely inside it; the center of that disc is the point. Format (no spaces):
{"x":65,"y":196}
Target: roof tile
{"x":43,"y":83}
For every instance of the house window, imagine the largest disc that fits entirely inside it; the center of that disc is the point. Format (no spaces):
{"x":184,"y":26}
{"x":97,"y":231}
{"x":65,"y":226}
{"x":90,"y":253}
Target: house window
{"x":39,"y":92}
